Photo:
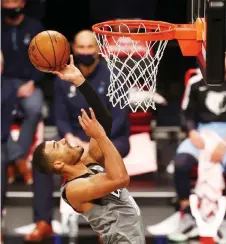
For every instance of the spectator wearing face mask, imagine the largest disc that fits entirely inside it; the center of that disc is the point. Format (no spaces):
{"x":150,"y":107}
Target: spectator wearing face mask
{"x":17,"y":32}
{"x":68,"y":102}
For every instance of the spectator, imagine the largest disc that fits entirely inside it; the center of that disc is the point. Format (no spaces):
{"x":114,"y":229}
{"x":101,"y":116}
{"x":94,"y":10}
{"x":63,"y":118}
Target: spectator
{"x":68,"y":102}
{"x":203,"y":107}
{"x":17,"y":32}
{"x":8,"y":100}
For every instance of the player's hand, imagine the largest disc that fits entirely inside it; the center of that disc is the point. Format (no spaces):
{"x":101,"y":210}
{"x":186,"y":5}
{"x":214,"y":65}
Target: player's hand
{"x":196,"y":139}
{"x":70,"y":73}
{"x":91,"y":125}
{"x":218,"y":152}
{"x":26,"y":90}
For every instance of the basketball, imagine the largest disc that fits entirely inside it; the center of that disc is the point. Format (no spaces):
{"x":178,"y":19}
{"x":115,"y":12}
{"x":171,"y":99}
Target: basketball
{"x":49,"y":51}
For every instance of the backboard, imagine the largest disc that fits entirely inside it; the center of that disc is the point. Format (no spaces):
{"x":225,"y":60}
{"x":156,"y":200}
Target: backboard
{"x":211,"y":58}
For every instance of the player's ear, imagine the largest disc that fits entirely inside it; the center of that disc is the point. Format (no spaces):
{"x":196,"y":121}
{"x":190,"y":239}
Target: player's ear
{"x":58,"y":165}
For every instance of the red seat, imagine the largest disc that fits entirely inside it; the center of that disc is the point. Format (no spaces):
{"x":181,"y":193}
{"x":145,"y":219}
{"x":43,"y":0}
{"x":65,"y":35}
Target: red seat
{"x":139,"y":122}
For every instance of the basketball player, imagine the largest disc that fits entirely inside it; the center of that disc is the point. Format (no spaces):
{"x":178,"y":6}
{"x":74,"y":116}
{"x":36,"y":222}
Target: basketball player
{"x":99,"y":196}
{"x":203,"y":107}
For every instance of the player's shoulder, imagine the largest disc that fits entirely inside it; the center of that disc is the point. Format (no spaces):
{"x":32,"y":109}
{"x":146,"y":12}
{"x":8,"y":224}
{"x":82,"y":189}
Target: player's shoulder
{"x":73,"y":186}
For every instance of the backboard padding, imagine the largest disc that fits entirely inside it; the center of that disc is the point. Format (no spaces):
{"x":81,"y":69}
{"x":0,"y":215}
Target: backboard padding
{"x":215,"y":44}
{"x":211,"y":60}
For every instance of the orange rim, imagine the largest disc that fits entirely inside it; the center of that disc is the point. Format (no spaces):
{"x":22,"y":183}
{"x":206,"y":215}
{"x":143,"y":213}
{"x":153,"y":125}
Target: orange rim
{"x":189,"y":36}
{"x":166,"y":29}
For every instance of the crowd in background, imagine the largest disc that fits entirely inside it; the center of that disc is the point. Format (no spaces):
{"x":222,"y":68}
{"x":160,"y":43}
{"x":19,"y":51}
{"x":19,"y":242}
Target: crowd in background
{"x":25,"y":90}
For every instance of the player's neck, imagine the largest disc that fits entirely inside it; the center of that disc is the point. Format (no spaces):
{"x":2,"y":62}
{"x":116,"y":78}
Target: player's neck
{"x":71,"y":172}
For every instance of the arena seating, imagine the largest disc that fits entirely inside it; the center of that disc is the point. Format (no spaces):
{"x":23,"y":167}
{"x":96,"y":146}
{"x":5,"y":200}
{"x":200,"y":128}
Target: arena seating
{"x":38,"y":138}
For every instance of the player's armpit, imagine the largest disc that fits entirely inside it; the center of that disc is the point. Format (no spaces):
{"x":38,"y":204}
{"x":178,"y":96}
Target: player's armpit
{"x":97,"y":186}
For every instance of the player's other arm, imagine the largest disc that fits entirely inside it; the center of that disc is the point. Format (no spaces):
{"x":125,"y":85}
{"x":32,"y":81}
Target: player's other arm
{"x":99,"y":185}
{"x":103,"y":115}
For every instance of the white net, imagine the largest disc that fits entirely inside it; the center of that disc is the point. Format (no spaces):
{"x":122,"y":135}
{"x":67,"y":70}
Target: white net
{"x":133,"y":65}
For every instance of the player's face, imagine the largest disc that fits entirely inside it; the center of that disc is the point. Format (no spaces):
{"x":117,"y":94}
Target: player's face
{"x":63,"y":151}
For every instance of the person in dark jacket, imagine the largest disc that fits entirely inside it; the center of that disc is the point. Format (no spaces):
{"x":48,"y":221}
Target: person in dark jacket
{"x":17,"y":32}
{"x":69,"y":101}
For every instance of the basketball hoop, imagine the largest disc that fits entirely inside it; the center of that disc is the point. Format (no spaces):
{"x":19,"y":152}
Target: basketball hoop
{"x":141,"y":44}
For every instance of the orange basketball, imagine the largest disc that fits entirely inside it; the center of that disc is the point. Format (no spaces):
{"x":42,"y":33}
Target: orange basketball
{"x":49,"y":51}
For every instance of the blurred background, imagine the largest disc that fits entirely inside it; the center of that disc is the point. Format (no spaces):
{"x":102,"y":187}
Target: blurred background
{"x":65,"y":19}
{"x":160,"y":131}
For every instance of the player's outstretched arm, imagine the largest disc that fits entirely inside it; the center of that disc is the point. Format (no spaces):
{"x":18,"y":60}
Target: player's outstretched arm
{"x":99,"y":185}
{"x":72,"y":74}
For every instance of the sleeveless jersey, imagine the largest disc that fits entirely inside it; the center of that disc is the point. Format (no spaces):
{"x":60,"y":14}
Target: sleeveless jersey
{"x":116,"y":217}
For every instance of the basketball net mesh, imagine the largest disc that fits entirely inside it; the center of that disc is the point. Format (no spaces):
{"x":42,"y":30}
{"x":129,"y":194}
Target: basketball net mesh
{"x":132,"y":78}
